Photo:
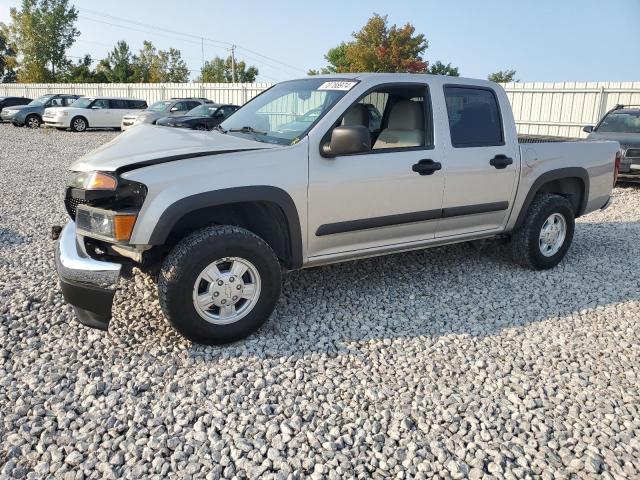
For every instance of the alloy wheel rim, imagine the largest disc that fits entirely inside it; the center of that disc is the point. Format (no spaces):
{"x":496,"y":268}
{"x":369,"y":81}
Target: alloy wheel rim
{"x":226,"y":290}
{"x":79,"y":124}
{"x":33,"y":123}
{"x":552,"y":234}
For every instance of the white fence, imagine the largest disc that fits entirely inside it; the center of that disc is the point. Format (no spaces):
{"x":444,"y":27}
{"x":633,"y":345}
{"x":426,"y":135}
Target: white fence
{"x":554,"y":109}
{"x":236,"y":93}
{"x":563,"y":108}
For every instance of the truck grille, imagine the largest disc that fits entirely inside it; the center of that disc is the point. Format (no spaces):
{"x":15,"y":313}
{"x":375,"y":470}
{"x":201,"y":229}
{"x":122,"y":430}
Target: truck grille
{"x":632,"y":153}
{"x":71,"y":204}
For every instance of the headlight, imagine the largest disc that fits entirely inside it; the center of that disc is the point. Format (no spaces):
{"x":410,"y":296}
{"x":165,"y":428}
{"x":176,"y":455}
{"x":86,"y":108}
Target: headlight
{"x":94,"y":181}
{"x":105,"y":224}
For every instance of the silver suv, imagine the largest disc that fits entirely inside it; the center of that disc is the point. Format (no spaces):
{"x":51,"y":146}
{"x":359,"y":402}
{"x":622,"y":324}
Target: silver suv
{"x":161,"y":109}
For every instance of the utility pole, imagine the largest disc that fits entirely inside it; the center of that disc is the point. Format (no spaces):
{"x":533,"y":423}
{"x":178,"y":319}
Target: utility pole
{"x":233,"y":63}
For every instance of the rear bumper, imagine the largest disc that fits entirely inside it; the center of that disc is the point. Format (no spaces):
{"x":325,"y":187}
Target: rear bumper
{"x":607,"y":204}
{"x":87,"y":284}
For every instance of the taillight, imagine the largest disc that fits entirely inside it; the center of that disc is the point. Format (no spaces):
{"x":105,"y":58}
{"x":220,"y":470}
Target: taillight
{"x":616,"y":167}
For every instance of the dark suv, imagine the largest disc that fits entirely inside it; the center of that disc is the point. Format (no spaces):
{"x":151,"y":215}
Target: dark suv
{"x":12,"y":102}
{"x":621,"y":123}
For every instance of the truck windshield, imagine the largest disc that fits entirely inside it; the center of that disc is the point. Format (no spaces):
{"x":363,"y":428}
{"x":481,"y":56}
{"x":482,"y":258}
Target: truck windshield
{"x":623,"y":122}
{"x":274,"y":116}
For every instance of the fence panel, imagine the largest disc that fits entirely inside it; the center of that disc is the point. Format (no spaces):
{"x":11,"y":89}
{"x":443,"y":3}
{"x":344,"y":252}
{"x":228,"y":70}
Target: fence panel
{"x":558,"y":109}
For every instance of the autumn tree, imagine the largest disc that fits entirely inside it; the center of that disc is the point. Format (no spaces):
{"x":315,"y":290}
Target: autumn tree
{"x":220,"y":70}
{"x":43,"y":31}
{"x":378,"y":47}
{"x":439,"y":68}
{"x":503,"y":76}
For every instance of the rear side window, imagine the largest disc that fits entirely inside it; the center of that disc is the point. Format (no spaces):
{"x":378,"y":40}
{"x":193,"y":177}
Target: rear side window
{"x":137,"y":104}
{"x":474,"y":117}
{"x":118,"y":104}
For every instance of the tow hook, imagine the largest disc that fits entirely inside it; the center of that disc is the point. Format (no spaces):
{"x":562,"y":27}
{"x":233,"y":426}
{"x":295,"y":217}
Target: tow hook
{"x":55,"y":232}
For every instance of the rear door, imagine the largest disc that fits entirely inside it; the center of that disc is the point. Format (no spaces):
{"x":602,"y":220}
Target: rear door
{"x":482,"y":162}
{"x":100,"y":113}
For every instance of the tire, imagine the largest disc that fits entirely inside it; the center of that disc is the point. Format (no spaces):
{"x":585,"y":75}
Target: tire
{"x":529,"y":248}
{"x":33,"y":121}
{"x":79,"y":124}
{"x":182,"y":278}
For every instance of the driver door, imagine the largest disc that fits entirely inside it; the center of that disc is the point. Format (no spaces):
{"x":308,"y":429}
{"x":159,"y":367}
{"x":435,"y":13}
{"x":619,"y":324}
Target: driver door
{"x":382,"y":197}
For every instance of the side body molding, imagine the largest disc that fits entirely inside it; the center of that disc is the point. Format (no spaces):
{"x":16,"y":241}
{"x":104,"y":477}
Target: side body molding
{"x":257,"y":193}
{"x":559,"y":174}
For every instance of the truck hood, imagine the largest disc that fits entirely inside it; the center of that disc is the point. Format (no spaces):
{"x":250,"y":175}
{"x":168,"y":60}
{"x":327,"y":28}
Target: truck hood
{"x":625,"y":140}
{"x":149,"y":145}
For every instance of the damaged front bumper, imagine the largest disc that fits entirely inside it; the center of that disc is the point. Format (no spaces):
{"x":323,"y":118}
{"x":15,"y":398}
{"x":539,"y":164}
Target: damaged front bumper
{"x":87,"y":284}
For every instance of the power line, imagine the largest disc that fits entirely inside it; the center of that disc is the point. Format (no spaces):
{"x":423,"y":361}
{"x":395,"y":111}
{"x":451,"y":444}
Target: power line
{"x":200,"y":38}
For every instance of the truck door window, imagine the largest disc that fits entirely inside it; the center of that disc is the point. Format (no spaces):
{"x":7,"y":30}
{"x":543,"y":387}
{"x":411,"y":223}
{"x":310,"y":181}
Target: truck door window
{"x":397,"y":116}
{"x":474,"y":117}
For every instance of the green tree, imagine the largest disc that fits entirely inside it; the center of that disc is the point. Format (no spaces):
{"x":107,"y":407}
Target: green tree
{"x":79,"y":72}
{"x":119,"y":62}
{"x":43,"y":31}
{"x":503,"y":76}
{"x":8,"y":61}
{"x":153,"y":66}
{"x":144,"y":63}
{"x":439,"y":68}
{"x":219,"y":70}
{"x":172,"y":67}
{"x":378,"y":47}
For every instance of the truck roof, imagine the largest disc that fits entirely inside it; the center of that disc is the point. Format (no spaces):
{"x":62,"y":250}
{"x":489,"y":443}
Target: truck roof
{"x":399,"y":77}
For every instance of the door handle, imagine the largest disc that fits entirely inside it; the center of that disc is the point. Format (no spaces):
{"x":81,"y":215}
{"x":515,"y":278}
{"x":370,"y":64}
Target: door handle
{"x":500,"y":161}
{"x":426,"y":167}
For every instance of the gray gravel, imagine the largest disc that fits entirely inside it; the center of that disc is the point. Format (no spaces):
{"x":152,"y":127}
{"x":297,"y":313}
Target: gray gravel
{"x":446,"y":363}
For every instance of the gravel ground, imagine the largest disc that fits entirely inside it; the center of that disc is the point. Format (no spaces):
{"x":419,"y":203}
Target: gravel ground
{"x":441,"y":363}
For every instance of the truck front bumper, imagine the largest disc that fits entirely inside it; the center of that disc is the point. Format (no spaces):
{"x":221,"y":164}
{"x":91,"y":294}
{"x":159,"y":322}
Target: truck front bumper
{"x":87,"y":284}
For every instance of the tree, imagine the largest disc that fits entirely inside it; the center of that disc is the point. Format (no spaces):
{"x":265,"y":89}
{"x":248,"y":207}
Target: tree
{"x":43,"y":31}
{"x":501,"y":76}
{"x":79,"y":72}
{"x":379,"y":48}
{"x":440,"y":68}
{"x":120,"y":68}
{"x":153,"y":66}
{"x":145,"y":63}
{"x":172,"y":67}
{"x":220,"y":71}
{"x":8,"y":60}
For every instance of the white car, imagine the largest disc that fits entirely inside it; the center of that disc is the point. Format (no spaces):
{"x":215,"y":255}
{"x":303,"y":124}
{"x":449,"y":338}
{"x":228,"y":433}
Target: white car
{"x":92,"y":112}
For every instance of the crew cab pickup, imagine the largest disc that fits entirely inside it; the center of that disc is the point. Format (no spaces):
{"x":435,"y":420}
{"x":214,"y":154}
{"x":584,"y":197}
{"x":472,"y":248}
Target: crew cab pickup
{"x":223,"y":213}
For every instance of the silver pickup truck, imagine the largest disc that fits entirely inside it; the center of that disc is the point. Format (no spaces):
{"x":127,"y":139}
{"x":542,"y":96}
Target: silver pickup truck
{"x":223,"y":213}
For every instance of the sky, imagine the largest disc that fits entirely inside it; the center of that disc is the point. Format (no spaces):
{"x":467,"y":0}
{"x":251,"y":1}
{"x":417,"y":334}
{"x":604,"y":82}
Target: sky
{"x":543,"y":40}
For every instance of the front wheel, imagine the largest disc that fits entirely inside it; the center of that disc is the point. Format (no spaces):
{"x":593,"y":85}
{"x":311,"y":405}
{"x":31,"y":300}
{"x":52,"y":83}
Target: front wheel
{"x":546,"y":233}
{"x":219,"y":284}
{"x":79,"y":124}
{"x":33,"y":121}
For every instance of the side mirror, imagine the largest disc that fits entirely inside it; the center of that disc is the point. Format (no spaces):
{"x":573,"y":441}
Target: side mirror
{"x":174,"y":109}
{"x":588,"y":129}
{"x":346,"y":140}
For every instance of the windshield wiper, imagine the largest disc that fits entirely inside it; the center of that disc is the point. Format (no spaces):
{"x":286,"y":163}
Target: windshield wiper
{"x":247,"y":130}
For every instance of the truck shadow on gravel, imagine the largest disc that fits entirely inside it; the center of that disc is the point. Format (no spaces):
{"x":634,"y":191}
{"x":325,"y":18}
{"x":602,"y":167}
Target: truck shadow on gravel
{"x":423,"y":294}
{"x":448,"y":290}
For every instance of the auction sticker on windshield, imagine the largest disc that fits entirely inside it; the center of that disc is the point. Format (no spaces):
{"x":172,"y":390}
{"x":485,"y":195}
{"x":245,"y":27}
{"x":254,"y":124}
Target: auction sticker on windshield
{"x":344,"y":86}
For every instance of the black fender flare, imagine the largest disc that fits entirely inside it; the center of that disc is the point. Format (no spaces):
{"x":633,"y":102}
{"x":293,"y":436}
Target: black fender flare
{"x":558,"y":174}
{"x":257,"y":193}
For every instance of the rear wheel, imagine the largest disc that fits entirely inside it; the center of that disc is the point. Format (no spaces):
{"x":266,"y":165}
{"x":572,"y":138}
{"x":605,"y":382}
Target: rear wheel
{"x":33,"y":121}
{"x":79,"y":124}
{"x":219,"y":284}
{"x":546,"y":233}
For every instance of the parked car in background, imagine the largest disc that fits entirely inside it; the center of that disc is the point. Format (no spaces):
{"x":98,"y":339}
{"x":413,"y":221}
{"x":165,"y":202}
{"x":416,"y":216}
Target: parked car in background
{"x":12,"y":102}
{"x":369,"y":114}
{"x":203,"y":117}
{"x":163,"y":108}
{"x":31,"y":115}
{"x":92,"y":112}
{"x":622,"y":124}
{"x":222,"y":214}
